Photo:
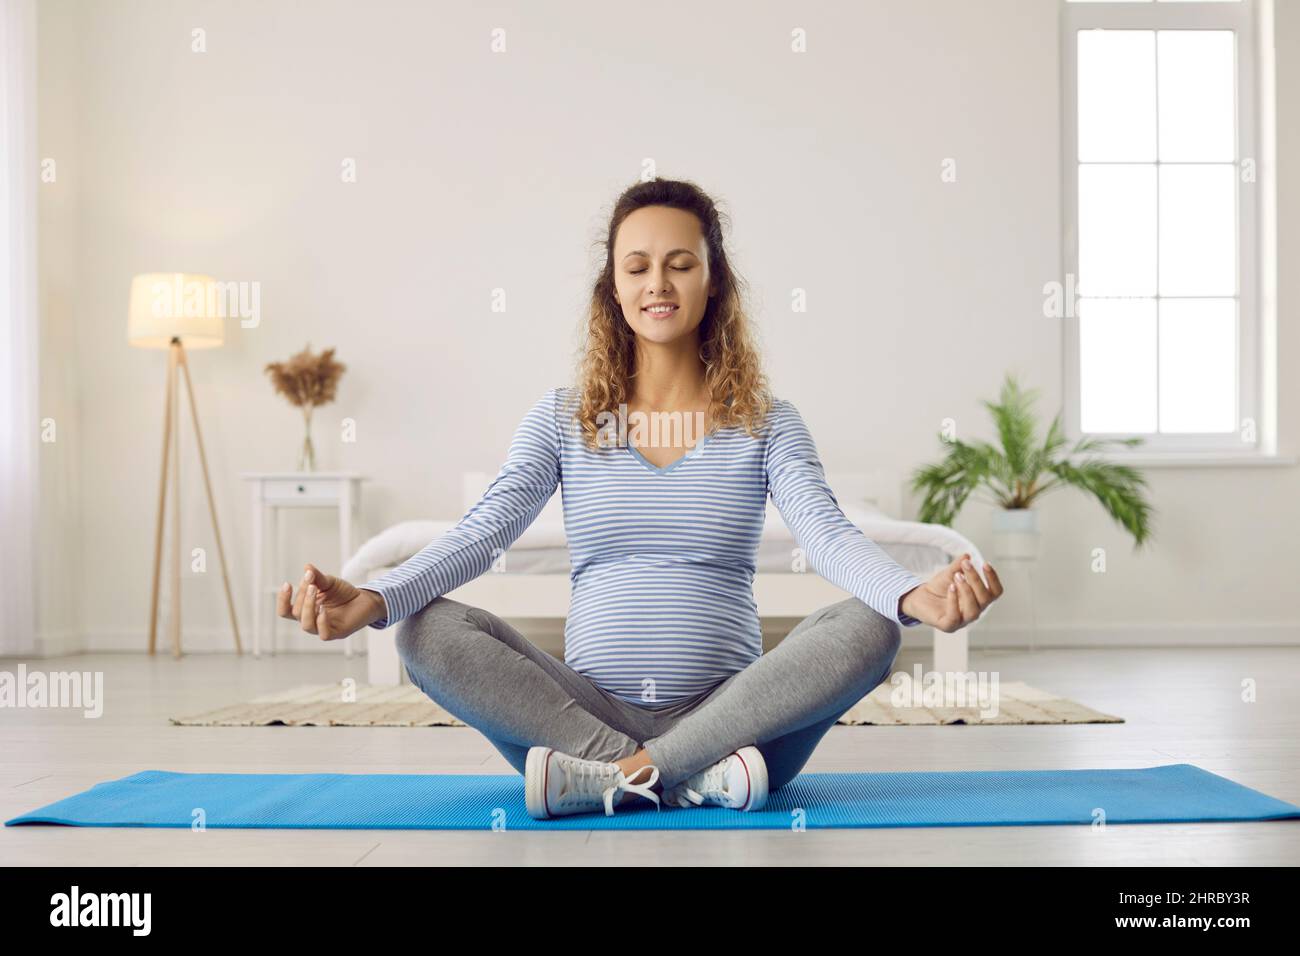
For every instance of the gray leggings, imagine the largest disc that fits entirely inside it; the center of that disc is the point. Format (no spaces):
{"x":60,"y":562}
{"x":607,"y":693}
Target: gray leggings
{"x":490,"y":676}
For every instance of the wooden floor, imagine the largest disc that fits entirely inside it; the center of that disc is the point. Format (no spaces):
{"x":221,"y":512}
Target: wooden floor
{"x":1180,"y":706}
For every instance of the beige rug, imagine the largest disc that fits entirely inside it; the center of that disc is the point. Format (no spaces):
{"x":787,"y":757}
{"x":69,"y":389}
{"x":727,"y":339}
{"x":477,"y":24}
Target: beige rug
{"x":337,"y":705}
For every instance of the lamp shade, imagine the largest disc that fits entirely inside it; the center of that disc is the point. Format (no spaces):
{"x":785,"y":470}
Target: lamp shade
{"x":167,"y":305}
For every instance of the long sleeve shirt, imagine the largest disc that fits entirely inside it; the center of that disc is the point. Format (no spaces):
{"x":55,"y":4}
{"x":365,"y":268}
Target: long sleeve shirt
{"x":663,"y":558}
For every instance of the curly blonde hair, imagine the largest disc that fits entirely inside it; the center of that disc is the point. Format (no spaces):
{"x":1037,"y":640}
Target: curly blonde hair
{"x":733,"y":370}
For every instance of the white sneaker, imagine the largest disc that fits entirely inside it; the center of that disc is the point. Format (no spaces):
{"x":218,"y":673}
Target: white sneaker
{"x":556,"y":783}
{"x":737,"y":781}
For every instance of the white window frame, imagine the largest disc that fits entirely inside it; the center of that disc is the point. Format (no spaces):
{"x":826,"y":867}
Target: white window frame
{"x":1240,"y":16}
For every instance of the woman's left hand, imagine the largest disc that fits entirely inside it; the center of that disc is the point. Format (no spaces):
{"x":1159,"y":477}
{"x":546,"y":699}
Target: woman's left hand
{"x":954,"y":597}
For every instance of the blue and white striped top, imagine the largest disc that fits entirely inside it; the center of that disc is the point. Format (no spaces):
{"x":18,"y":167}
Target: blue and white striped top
{"x":663,"y":559}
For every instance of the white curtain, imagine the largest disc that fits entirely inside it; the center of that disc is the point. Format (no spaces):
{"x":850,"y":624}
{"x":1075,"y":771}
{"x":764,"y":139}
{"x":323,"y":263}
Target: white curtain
{"x":19,"y":421}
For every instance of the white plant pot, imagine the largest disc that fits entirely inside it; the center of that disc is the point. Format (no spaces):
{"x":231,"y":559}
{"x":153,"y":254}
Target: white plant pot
{"x":1015,"y":534}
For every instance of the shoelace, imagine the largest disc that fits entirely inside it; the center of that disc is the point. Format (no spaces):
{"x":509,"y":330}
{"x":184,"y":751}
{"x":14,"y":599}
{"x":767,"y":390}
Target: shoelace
{"x":712,"y":780}
{"x":588,"y":779}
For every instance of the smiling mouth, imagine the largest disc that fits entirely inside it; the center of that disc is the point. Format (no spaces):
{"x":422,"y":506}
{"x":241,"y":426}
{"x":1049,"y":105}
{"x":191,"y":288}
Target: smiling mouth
{"x":660,"y":312}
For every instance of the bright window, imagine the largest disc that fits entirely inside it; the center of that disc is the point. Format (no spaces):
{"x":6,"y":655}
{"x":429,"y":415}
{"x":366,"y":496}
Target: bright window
{"x":1161,"y":221}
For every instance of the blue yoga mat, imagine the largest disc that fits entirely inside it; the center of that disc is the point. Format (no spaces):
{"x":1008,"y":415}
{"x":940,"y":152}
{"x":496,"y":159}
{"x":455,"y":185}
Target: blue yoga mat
{"x":1176,"y":793}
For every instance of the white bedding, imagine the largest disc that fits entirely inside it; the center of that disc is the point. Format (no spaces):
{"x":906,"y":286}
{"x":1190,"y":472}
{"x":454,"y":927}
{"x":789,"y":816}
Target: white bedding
{"x":543,"y":548}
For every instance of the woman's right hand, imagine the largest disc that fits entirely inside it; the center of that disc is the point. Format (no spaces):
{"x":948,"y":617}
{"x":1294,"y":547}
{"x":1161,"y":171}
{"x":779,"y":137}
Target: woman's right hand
{"x":329,"y":606}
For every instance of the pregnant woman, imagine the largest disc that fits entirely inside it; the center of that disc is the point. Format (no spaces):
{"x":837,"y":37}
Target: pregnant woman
{"x":664,"y":693}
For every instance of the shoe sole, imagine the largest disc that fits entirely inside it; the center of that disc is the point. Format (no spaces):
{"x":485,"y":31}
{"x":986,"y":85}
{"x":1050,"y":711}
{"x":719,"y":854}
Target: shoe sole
{"x":756,"y":768}
{"x":536,"y":769}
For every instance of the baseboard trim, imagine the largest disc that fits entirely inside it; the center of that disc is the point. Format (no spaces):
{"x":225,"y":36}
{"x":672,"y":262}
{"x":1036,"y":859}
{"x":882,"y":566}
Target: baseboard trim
{"x":54,"y":643}
{"x":549,"y":634}
{"x":1234,"y":634}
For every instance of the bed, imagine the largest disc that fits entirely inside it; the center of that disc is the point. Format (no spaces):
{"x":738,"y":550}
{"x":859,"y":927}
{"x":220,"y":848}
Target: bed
{"x":531,"y":579}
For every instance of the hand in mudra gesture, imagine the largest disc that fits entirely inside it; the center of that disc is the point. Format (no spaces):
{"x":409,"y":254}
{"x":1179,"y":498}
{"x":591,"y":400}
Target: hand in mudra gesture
{"x":954,"y":597}
{"x":328,"y":606}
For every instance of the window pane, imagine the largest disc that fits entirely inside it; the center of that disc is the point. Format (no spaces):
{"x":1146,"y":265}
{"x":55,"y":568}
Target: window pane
{"x":1198,"y":362}
{"x":1117,"y":229}
{"x":1197,"y":90}
{"x":1198,"y":230}
{"x":1117,"y":365}
{"x":1117,"y":95}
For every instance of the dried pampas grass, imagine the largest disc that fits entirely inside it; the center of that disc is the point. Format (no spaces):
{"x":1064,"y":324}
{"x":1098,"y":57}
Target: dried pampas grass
{"x":307,"y":380}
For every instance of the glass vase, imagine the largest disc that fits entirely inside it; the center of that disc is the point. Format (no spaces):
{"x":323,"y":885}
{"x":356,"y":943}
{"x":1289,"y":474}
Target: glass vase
{"x":307,"y":455}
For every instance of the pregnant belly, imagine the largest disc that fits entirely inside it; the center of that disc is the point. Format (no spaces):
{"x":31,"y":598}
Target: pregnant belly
{"x":657,"y":631}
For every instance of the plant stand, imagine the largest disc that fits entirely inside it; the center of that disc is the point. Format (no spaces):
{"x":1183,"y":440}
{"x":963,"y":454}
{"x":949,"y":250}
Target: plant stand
{"x":1015,"y":546}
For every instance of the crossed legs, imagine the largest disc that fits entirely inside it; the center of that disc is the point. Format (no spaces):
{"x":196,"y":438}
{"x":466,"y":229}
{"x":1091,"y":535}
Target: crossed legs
{"x":490,"y":676}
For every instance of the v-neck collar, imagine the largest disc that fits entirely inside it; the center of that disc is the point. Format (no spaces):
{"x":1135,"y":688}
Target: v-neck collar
{"x":693,"y":453}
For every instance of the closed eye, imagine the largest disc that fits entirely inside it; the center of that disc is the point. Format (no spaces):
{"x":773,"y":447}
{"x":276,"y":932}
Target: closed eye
{"x":637,"y":272}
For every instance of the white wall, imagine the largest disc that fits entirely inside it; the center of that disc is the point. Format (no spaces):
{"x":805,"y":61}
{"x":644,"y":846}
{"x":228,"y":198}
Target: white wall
{"x":481,"y":171}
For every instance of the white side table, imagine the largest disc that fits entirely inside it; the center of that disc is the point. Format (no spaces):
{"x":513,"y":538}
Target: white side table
{"x":288,"y":489}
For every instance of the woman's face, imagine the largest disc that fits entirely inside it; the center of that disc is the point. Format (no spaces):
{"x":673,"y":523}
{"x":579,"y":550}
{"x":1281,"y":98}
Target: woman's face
{"x":660,"y":256}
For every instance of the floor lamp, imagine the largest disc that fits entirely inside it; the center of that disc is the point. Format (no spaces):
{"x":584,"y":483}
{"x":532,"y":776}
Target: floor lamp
{"x":174,"y":311}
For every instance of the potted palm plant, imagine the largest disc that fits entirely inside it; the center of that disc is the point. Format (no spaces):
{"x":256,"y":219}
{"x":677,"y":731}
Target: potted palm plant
{"x":1021,"y":471}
